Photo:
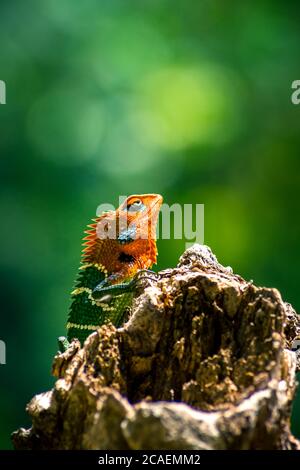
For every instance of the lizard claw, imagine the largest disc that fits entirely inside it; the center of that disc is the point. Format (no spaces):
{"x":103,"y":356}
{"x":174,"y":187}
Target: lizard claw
{"x":144,"y":274}
{"x":63,"y":344}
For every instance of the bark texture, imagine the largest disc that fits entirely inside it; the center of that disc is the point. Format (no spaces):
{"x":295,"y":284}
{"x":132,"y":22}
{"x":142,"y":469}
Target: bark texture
{"x":204,"y":362}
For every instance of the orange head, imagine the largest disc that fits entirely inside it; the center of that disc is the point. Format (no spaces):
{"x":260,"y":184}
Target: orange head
{"x":129,"y":233}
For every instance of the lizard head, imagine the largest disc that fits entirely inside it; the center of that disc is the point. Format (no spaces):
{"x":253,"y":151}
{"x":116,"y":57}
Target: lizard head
{"x":137,"y":218}
{"x":142,"y":210}
{"x":126,"y":235}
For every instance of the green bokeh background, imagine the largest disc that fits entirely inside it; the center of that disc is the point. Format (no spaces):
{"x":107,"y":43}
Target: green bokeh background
{"x":106,"y":98}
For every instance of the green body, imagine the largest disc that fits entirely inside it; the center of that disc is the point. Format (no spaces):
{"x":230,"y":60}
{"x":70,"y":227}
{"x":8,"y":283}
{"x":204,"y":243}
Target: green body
{"x":87,"y":313}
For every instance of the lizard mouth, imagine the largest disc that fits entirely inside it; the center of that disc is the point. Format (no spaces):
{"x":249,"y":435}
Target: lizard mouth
{"x":155,"y":208}
{"x":144,"y":222}
{"x":160,"y":200}
{"x":157,"y":201}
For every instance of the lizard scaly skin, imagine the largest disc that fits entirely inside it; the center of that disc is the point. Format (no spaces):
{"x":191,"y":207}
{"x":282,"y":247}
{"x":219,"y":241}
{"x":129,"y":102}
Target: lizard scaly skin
{"x":119,"y":245}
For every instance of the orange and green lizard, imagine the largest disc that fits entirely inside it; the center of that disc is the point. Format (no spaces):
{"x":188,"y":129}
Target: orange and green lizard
{"x":119,"y":247}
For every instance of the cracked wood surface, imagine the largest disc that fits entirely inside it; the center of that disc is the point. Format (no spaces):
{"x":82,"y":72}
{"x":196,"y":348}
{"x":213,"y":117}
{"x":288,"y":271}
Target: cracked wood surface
{"x":204,"y":362}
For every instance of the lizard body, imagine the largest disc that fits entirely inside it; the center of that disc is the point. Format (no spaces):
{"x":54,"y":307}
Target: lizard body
{"x":119,"y":245}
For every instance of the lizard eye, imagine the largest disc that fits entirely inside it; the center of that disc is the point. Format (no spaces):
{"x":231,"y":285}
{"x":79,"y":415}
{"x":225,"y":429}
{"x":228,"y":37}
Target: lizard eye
{"x":135,"y":206}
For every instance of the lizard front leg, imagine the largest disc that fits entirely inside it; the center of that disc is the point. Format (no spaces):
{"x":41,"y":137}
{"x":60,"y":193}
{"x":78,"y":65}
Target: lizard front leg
{"x":107,"y":289}
{"x":63,"y":344}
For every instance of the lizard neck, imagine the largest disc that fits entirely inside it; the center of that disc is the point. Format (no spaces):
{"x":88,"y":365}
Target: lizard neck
{"x":85,"y":314}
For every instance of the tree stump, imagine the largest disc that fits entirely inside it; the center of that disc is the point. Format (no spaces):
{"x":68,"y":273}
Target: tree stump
{"x":204,"y":362}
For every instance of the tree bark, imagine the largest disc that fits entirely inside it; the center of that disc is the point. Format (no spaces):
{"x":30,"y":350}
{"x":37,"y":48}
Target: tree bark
{"x":204,"y":362}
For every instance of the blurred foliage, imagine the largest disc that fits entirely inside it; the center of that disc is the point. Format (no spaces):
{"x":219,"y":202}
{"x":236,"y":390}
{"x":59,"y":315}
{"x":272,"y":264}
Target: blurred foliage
{"x":108,"y":98}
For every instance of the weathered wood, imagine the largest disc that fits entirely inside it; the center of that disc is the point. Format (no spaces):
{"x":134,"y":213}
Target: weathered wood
{"x":205,"y":362}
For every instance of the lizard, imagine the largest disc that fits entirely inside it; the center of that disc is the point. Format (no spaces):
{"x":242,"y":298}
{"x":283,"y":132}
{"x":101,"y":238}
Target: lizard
{"x":119,"y":247}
